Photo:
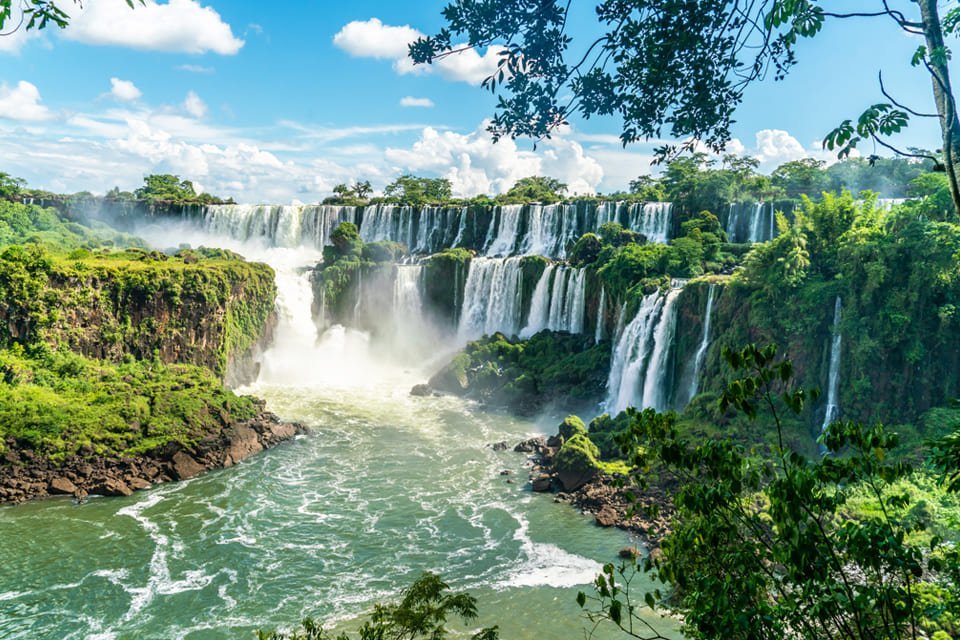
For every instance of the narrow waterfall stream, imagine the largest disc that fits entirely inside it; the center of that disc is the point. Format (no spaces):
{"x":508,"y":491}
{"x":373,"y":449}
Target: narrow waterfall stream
{"x":701,"y":355}
{"x":833,"y":382}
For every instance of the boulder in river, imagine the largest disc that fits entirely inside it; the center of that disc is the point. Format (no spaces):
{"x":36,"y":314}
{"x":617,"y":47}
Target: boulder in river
{"x":421,"y":390}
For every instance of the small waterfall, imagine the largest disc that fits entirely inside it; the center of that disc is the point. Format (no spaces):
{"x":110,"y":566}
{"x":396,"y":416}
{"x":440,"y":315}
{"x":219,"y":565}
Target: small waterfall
{"x":704,"y":343}
{"x":492,"y":298}
{"x":552,"y":227}
{"x":504,"y":243}
{"x":639,"y":372}
{"x":601,"y":315}
{"x":559,"y":301}
{"x":407,"y":293}
{"x":652,"y":219}
{"x":733,"y":219}
{"x":276,"y":226}
{"x":539,"y":314}
{"x":833,"y":386}
{"x":356,"y":305}
{"x":756,"y":223}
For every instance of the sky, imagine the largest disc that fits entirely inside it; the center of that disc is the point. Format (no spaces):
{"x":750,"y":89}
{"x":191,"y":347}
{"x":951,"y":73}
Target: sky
{"x":280,"y":105}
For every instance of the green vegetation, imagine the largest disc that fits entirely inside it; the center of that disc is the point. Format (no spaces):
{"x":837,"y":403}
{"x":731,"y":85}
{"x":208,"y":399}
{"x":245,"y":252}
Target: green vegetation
{"x":422,"y":612}
{"x":408,"y":189}
{"x":60,"y":404}
{"x":534,"y":189}
{"x":842,"y":546}
{"x":169,"y":188}
{"x":548,"y":369}
{"x":681,"y":70}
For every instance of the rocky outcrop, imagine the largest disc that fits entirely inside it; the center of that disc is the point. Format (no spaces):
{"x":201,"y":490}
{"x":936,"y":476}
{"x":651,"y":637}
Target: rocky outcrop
{"x":25,"y":476}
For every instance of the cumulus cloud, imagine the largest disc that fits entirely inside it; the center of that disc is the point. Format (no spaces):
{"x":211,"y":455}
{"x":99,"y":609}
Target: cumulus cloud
{"x":124,"y":90}
{"x":374,"y":39}
{"x":23,"y":103}
{"x":773,"y":147}
{"x":410,"y":101}
{"x":180,"y":26}
{"x":474,"y":164}
{"x":13,"y":40}
{"x":194,"y":105}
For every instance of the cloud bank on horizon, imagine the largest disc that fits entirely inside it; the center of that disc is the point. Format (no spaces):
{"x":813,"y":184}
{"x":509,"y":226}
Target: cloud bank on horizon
{"x":115,"y":141}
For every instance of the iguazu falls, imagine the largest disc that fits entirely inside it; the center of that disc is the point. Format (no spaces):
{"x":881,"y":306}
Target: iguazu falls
{"x":292,"y":348}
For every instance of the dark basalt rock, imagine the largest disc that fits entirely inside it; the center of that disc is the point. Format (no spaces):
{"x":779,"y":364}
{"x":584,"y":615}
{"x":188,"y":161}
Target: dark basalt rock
{"x":25,"y":476}
{"x":421,"y":390}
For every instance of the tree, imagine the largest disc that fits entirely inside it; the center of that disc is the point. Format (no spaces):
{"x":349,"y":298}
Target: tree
{"x":800,"y":177}
{"x":342,"y":191}
{"x":766,"y":547}
{"x":10,"y":187}
{"x":535,"y":189}
{"x":680,"y":68}
{"x":648,"y":188}
{"x":421,"y":613}
{"x":414,"y":190}
{"x":362,"y":189}
{"x":165,"y":187}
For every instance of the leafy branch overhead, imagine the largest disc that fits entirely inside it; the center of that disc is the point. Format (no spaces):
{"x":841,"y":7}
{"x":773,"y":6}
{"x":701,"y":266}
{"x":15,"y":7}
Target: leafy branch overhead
{"x":679,"y":69}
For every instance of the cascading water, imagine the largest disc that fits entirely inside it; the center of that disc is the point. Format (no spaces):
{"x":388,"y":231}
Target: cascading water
{"x":491,"y":298}
{"x":558,"y":302}
{"x":638,"y":370}
{"x":278,"y":226}
{"x":652,"y":219}
{"x":704,"y":344}
{"x":504,"y":243}
{"x":756,"y":223}
{"x":601,"y":316}
{"x":833,"y":385}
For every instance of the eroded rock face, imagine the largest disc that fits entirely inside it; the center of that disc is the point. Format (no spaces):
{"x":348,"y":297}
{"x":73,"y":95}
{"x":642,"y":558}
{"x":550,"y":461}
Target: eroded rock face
{"x":24,"y":476}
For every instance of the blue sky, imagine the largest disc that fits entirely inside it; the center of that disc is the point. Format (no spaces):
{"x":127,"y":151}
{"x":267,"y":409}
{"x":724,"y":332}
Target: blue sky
{"x":280,"y":105}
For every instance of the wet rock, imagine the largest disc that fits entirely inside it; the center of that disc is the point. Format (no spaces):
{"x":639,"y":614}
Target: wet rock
{"x":112,"y":487}
{"x":499,"y":446}
{"x":629,"y":553}
{"x":533,"y":445}
{"x":421,"y":390}
{"x":62,"y":487}
{"x":541,"y":483}
{"x":138,"y":484}
{"x":283,"y":431}
{"x":506,"y":472}
{"x":185,"y":467}
{"x":555,"y":441}
{"x":243,"y":444}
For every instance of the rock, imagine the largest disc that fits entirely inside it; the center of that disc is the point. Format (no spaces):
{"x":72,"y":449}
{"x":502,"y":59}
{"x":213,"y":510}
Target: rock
{"x":510,"y":481}
{"x":185,"y":467}
{"x":607,"y":517}
{"x":282,"y":431}
{"x":80,"y":496}
{"x":541,"y":483}
{"x":506,"y":472}
{"x":112,"y":487}
{"x":243,"y":443}
{"x":629,"y":553}
{"x":533,"y":445}
{"x":62,"y":487}
{"x":555,"y":441}
{"x":573,"y":479}
{"x":421,"y":390}
{"x":138,"y":484}
{"x":499,"y":446}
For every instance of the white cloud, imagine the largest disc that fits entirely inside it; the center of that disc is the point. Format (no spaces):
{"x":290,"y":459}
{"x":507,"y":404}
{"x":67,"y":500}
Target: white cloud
{"x":773,"y":147}
{"x":14,"y":39}
{"x":124,"y":90}
{"x":474,"y":164}
{"x":196,"y":68}
{"x":22,"y":102}
{"x":410,"y":101}
{"x":373,"y":39}
{"x":181,"y":26}
{"x":194,"y":105}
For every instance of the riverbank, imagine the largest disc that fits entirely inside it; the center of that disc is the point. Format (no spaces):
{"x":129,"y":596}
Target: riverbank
{"x":26,"y":476}
{"x":610,"y":498}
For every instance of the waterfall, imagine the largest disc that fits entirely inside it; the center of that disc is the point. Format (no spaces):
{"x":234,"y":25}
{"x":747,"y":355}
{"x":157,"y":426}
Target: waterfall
{"x":576,"y":300}
{"x":639,"y":367}
{"x":652,"y":219}
{"x":601,"y":314}
{"x":755,"y":223}
{"x":732,"y":220}
{"x":833,"y":386}
{"x":407,"y":296}
{"x":704,"y":343}
{"x":491,"y":298}
{"x":356,"y":305}
{"x":504,"y":243}
{"x":539,"y":314}
{"x":276,"y":226}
